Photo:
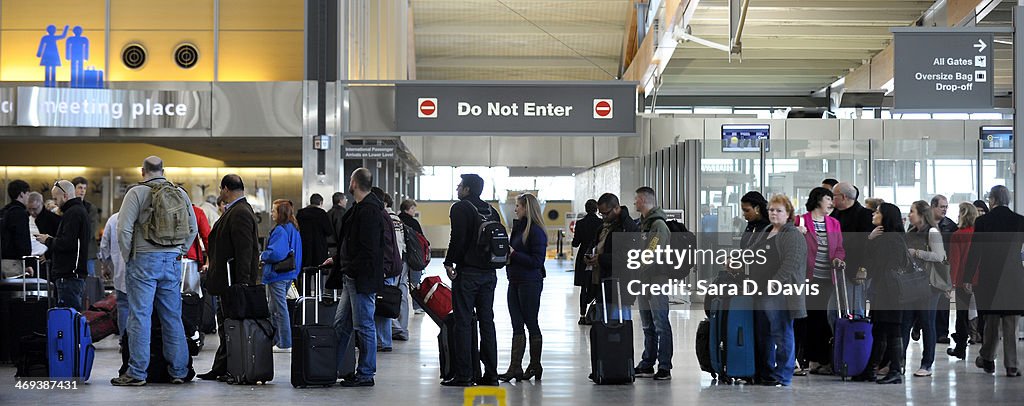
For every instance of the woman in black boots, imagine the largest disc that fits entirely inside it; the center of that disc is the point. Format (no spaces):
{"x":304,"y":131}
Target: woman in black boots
{"x":525,"y":271}
{"x":888,"y":247}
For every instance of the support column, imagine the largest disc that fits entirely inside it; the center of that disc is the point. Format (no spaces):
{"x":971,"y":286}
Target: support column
{"x":1018,"y":102}
{"x":321,"y":171}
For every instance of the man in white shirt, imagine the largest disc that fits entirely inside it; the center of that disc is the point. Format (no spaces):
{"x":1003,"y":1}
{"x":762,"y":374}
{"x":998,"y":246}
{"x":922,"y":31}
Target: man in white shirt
{"x":110,"y":254}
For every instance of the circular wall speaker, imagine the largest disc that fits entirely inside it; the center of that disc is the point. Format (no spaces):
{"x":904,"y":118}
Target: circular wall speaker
{"x":553,"y":214}
{"x":186,"y":55}
{"x":133,"y":56}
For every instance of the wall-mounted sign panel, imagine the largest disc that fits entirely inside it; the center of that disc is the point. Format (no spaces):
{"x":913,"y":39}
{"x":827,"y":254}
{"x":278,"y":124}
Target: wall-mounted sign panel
{"x":8,"y":106}
{"x":368,"y":152}
{"x":107,"y":108}
{"x":516,"y":108}
{"x":943,"y":70}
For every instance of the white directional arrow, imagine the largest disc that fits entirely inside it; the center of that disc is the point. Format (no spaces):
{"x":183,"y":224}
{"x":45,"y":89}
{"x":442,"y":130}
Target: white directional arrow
{"x":981,"y":45}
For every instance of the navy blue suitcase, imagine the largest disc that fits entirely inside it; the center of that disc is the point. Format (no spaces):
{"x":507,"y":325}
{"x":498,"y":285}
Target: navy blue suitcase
{"x":732,"y":336}
{"x":69,"y":346}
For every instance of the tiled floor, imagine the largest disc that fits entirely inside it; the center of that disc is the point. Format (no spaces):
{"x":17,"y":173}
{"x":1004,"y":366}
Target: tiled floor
{"x":408,"y":376}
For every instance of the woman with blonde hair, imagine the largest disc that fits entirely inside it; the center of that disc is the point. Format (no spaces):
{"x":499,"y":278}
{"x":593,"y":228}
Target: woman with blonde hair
{"x":281,"y":259}
{"x":525,"y":270}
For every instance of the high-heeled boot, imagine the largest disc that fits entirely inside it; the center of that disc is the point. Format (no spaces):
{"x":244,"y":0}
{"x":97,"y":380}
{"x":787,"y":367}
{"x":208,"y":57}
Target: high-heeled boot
{"x":515,"y":367}
{"x":535,"y":370}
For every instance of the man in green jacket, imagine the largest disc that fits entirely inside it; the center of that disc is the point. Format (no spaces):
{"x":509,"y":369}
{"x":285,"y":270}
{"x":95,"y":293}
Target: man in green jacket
{"x":654,"y":308}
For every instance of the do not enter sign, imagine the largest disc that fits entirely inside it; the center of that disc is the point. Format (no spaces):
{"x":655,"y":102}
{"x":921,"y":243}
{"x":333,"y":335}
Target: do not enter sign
{"x":603,"y":108}
{"x":428,"y":108}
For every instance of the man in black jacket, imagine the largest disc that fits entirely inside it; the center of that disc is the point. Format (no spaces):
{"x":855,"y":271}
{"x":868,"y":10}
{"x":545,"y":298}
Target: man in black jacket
{"x":339,"y":205}
{"x":314,"y":228}
{"x":358,"y":269}
{"x":584,"y":233}
{"x":15,"y":241}
{"x":81,"y":190}
{"x":233,"y":239}
{"x":473,"y":284}
{"x":855,"y":223}
{"x":69,"y":247}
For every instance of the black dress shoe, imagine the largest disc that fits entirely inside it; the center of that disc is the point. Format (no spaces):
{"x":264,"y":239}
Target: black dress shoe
{"x":769,"y":382}
{"x":892,"y":378}
{"x":959,"y":352}
{"x":942,"y":340}
{"x":457,"y":383}
{"x":867,"y":376}
{"x":209,"y":376}
{"x":1012,"y":372}
{"x":357,"y":383}
{"x":487,"y":381}
{"x":988,"y":366}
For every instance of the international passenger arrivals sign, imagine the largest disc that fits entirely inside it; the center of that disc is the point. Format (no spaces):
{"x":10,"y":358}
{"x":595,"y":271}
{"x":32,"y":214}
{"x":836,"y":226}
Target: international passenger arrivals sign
{"x":516,"y":108}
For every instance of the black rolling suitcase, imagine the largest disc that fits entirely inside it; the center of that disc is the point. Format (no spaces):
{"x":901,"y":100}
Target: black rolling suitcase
{"x":314,"y":346}
{"x":611,"y":346}
{"x":23,"y":305}
{"x":448,"y":347}
{"x":250,"y":348}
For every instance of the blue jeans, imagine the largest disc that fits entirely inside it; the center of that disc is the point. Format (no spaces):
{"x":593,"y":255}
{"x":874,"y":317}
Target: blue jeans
{"x":383,"y":325}
{"x":278,"y":295}
{"x":415,"y":277}
{"x":355,"y":317}
{"x":776,"y":342}
{"x":524,"y":307}
{"x":69,"y":293}
{"x":657,"y":331}
{"x":90,"y":266}
{"x":122,"y":312}
{"x":154,"y":284}
{"x":400,"y":326}
{"x":923,"y":317}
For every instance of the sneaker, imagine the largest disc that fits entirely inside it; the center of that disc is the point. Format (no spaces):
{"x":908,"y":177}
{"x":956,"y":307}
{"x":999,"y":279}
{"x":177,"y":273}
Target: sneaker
{"x":663,"y":375}
{"x":177,"y":381}
{"x":643,"y":372}
{"x":125,"y":380}
{"x":282,"y":350}
{"x":923,"y":372}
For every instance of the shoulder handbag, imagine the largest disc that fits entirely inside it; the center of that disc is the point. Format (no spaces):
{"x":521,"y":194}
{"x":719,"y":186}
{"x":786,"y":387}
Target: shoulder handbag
{"x":288,"y":263}
{"x":911,"y":282}
{"x":389,"y":302}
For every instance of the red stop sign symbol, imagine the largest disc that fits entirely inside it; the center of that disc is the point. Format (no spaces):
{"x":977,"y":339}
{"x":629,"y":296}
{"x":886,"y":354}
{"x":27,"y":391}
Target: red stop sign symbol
{"x":428,"y":108}
{"x":602,"y":108}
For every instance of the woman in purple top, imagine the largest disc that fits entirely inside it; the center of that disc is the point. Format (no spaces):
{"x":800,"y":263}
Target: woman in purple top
{"x":525,"y":271}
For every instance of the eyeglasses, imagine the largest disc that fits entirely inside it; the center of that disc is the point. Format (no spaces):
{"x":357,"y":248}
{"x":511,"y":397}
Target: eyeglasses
{"x":605,"y":213}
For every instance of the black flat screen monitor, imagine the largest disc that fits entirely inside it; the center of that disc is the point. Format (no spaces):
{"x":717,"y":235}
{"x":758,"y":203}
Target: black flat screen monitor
{"x":745,"y":137}
{"x":996,"y":138}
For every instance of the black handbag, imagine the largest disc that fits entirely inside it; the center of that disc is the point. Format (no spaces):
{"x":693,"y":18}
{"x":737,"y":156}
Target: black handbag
{"x":244,"y":301}
{"x":288,"y":263}
{"x":389,"y":302}
{"x":912,"y":283}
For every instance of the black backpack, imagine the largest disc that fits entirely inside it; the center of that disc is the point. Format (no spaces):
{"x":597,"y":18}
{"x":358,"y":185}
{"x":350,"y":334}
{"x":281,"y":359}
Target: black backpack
{"x":491,"y":239}
{"x":681,"y":239}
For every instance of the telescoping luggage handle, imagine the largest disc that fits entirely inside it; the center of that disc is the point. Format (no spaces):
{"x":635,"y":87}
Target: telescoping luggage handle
{"x":843,"y":300}
{"x":319,"y":292}
{"x":618,"y":291}
{"x":39,"y":275}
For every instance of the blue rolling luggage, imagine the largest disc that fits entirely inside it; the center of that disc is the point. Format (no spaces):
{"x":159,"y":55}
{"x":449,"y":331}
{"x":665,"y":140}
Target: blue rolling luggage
{"x":69,"y":344}
{"x":851,"y":349}
{"x":732,"y":337}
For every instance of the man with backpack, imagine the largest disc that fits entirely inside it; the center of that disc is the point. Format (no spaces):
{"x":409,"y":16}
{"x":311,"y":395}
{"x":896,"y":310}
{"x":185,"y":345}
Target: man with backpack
{"x":478,"y":247}
{"x":358,"y":269}
{"x":654,"y":308}
{"x":156,"y":227}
